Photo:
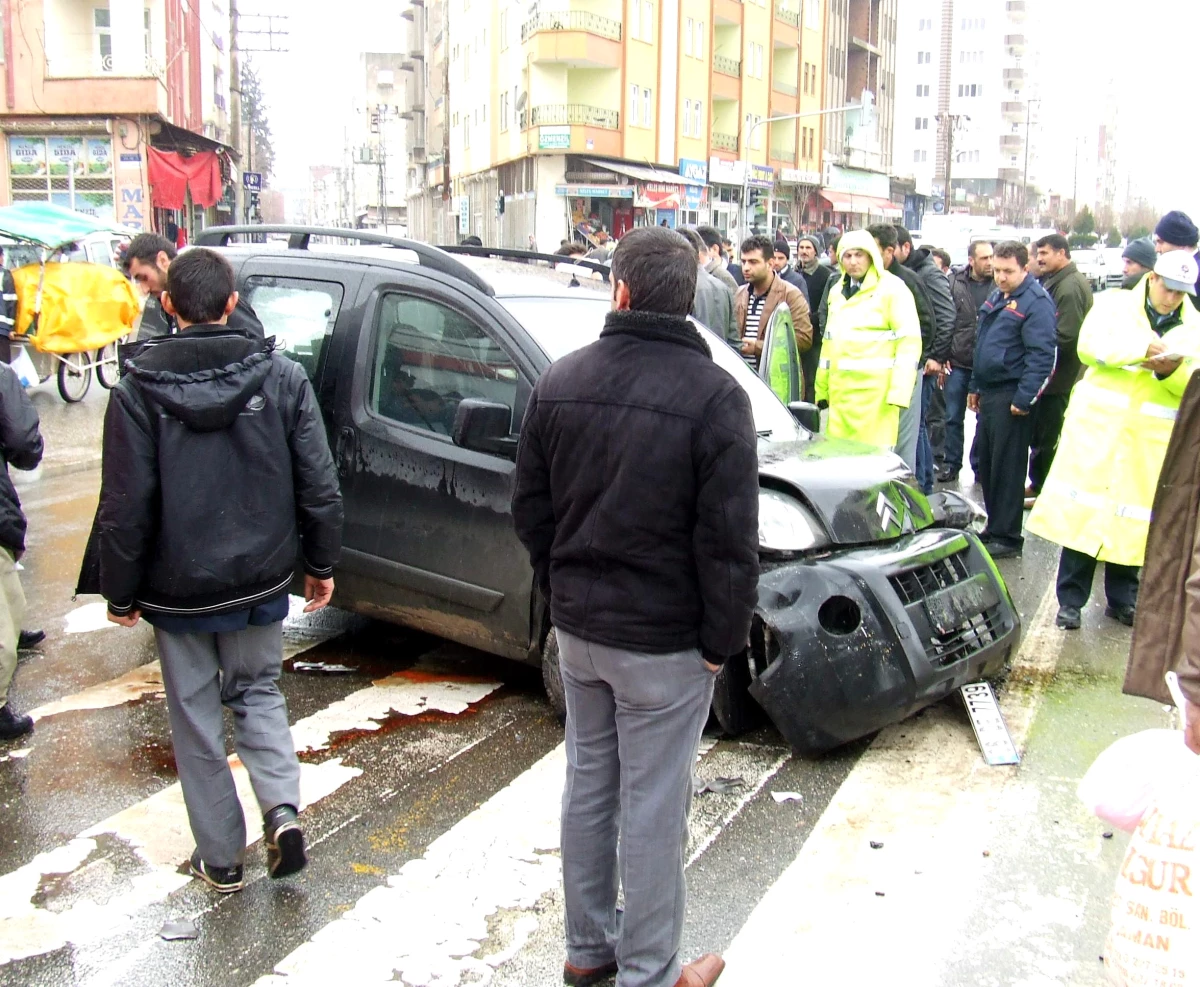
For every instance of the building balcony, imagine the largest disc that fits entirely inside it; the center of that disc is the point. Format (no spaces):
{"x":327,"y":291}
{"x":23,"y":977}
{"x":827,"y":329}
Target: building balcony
{"x":786,"y":154}
{"x":786,"y":12}
{"x":1016,"y":76}
{"x":96,"y":67}
{"x":1014,"y":44}
{"x":571,"y":20}
{"x":1010,"y":175}
{"x":727,"y":66}
{"x":1011,"y":142}
{"x":783,"y":87}
{"x":863,"y":44}
{"x":573,"y":114}
{"x":724,"y":142}
{"x":1013,"y":112}
{"x":575,"y":38}
{"x":1015,"y":10}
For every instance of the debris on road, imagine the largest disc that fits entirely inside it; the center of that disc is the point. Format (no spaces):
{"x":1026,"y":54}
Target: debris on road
{"x":876,"y":845}
{"x":718,"y":786}
{"x":321,"y":668}
{"x":787,"y":796}
{"x":179,"y":928}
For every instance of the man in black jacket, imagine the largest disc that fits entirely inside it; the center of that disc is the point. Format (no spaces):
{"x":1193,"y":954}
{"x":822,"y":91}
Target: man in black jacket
{"x":147,"y":259}
{"x":910,"y":418}
{"x":637,"y":498}
{"x":932,"y":440}
{"x":21,"y":446}
{"x":8,"y":310}
{"x":781,"y":264}
{"x":217,"y":476}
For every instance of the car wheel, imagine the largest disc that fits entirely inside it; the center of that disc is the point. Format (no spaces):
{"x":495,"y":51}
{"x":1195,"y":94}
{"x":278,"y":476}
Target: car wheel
{"x":732,"y":703}
{"x":552,"y":675}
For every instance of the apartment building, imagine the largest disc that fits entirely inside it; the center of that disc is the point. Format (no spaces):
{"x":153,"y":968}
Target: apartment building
{"x":432,"y":215}
{"x":98,"y":95}
{"x":380,"y":167}
{"x":861,"y":49}
{"x":568,"y":116}
{"x":966,"y":106}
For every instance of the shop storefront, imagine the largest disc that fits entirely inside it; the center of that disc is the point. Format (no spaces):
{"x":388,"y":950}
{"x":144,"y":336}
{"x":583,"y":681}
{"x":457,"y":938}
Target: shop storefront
{"x":725,"y":179}
{"x":592,"y":208}
{"x":853,"y":198}
{"x":761,"y":183}
{"x":695,"y":196}
{"x":76,"y":172}
{"x":799,"y":189}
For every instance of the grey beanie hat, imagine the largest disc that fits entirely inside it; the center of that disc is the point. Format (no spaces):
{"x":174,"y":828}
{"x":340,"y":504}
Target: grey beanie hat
{"x":814,"y":239}
{"x":1141,"y":252}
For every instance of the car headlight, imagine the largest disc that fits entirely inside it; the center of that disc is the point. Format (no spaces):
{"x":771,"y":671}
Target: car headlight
{"x":785,"y":525}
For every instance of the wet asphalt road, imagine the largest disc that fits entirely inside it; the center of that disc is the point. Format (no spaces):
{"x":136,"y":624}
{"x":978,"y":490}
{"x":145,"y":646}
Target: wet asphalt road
{"x":91,"y":838}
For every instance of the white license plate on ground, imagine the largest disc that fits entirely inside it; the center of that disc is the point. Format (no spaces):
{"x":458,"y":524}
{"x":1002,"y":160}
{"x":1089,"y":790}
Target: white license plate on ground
{"x":990,"y":729}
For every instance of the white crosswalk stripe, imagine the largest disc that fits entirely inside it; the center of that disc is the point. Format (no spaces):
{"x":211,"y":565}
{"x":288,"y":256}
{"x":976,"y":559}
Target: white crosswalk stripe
{"x":481,"y":902}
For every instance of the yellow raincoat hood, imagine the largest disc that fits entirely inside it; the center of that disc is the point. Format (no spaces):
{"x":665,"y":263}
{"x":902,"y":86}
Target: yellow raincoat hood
{"x":862,"y":240}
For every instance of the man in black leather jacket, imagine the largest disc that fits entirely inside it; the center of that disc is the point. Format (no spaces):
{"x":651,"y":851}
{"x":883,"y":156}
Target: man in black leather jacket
{"x":21,"y":446}
{"x":217,"y":477}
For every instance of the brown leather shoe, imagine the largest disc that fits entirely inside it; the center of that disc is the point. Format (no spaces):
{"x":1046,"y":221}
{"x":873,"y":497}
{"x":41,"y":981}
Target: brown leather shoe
{"x":575,"y":976}
{"x":703,"y":972}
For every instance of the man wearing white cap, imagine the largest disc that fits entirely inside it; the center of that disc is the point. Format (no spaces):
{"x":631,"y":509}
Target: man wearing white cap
{"x":1141,"y":347}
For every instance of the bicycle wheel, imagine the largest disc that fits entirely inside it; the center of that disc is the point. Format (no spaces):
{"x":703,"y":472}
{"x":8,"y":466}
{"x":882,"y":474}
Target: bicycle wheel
{"x":106,"y":366}
{"x":74,"y":376}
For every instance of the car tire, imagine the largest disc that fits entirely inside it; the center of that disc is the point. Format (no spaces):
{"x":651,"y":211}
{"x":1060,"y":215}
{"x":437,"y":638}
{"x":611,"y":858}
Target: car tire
{"x":552,"y":675}
{"x":732,"y":704}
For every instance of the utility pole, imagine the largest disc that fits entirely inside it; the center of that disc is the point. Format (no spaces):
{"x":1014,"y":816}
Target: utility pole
{"x":235,"y":108}
{"x":952,"y":122}
{"x":1025,"y":181}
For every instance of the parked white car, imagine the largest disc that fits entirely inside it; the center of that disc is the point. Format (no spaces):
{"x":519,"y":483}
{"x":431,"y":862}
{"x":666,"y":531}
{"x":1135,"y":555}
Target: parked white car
{"x":1092,"y":266}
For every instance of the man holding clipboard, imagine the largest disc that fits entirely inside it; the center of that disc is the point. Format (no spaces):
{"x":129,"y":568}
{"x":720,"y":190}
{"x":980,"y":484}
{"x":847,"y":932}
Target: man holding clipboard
{"x":1140,"y":347}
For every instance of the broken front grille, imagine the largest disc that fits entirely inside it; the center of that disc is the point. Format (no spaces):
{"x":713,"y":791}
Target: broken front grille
{"x":913,"y":585}
{"x":980,"y":631}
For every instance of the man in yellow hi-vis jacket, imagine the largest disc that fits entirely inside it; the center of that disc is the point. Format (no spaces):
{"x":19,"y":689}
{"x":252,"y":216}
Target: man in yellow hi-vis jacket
{"x":872,"y":345}
{"x":1141,"y":347}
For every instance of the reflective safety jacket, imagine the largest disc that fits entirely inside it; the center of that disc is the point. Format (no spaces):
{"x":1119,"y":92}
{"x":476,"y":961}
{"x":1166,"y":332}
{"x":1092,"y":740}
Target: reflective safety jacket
{"x":1100,"y":490}
{"x":870,"y":352}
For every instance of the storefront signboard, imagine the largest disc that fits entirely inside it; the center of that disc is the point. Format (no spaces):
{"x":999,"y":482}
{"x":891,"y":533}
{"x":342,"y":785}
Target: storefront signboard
{"x":697,"y":171}
{"x":26,"y":156}
{"x":554,"y":138}
{"x":761,"y":176}
{"x":793,"y":176}
{"x":66,"y":155}
{"x":652,"y":196}
{"x":858,"y":182}
{"x":722,"y":172}
{"x":596,"y":191}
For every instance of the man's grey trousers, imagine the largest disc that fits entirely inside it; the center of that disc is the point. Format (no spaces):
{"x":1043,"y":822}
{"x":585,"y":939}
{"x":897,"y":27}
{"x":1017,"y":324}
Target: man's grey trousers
{"x":910,"y":426}
{"x":203,"y":674}
{"x":633,"y":731}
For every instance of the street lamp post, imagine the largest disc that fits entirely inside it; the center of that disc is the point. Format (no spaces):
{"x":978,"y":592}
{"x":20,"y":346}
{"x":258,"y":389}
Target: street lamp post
{"x":779,"y":119}
{"x":1025,"y":181}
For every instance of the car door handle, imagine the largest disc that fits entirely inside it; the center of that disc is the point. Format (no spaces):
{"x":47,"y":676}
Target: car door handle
{"x":347,"y":444}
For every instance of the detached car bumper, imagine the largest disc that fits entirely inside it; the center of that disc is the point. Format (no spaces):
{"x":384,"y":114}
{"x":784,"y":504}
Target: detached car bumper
{"x":849,"y":643}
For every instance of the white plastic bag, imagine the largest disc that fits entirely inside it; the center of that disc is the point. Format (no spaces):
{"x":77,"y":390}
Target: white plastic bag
{"x":1121,"y":784}
{"x":1155,"y":935}
{"x":23,"y":367}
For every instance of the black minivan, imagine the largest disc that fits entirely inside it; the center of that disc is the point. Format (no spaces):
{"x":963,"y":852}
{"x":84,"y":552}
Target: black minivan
{"x":874,"y":600}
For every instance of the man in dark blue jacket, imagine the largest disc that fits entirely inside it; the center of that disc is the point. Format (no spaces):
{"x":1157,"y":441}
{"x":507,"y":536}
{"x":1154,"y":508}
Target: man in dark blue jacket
{"x":1014,"y":358}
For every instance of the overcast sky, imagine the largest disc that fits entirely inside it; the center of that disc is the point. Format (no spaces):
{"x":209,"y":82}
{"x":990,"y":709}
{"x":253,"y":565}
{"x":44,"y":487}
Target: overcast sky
{"x":1145,"y":53}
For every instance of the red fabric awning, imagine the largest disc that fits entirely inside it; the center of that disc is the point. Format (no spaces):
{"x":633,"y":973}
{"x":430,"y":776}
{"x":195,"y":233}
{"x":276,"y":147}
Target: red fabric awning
{"x":838,"y":201}
{"x":172,"y":175}
{"x":882,"y":207}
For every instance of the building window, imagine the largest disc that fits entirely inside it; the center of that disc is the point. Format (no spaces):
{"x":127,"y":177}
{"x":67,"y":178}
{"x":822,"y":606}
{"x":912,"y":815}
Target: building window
{"x":648,"y":21}
{"x":466,"y":131}
{"x":697,"y":116}
{"x":687,"y":118}
{"x":647,"y":118}
{"x":700,"y":39}
{"x":922,"y":123}
{"x":102,"y":38}
{"x":687,"y":36}
{"x":924,"y":57}
{"x":503,"y":111}
{"x":71,"y":171}
{"x":920,"y":156}
{"x":635,"y":95}
{"x":504,"y":30}
{"x":812,"y":14}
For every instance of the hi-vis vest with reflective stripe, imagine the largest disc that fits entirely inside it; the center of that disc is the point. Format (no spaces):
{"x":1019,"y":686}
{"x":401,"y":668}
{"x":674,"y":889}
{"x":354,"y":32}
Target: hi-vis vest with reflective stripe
{"x":1100,"y":490}
{"x":870,"y":352}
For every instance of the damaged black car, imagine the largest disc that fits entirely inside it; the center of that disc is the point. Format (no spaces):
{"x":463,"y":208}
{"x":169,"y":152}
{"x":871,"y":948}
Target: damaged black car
{"x":874,"y":601}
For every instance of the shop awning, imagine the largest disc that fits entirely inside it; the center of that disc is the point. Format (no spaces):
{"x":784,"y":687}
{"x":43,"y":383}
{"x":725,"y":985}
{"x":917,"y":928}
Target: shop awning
{"x":643,"y":173}
{"x":851,"y":203}
{"x":882,"y":207}
{"x":838,"y":201}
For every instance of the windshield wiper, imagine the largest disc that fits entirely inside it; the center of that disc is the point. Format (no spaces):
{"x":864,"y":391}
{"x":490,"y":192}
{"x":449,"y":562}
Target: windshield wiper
{"x":765,"y":433}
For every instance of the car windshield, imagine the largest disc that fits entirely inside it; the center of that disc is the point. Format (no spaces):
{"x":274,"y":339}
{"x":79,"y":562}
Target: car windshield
{"x":562,"y":325}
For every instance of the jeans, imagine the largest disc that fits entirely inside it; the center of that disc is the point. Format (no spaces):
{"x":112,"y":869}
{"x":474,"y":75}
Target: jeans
{"x":925,"y":468}
{"x":955,"y":393}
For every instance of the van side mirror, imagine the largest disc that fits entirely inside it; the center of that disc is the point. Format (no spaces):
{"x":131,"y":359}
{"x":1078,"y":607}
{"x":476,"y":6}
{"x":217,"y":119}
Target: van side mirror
{"x":484,"y":426}
{"x":807,"y":414}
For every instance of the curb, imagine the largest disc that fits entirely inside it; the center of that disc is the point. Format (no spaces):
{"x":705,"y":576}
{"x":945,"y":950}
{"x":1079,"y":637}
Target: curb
{"x":48,"y":471}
